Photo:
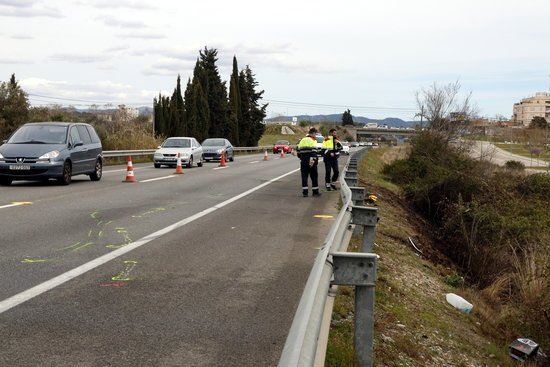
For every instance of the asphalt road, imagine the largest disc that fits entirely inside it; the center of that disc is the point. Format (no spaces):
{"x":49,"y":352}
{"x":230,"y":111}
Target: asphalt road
{"x":488,"y":151}
{"x":200,"y":269}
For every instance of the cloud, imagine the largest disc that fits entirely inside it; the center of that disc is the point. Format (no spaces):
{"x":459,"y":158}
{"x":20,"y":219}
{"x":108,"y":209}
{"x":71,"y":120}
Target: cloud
{"x":170,"y":67}
{"x":18,"y":3}
{"x":114,"y":22}
{"x":151,"y":35}
{"x":78,"y":58}
{"x":109,"y":4}
{"x":14,"y":60}
{"x":44,"y":91}
{"x":27,"y":9}
{"x":22,"y":36}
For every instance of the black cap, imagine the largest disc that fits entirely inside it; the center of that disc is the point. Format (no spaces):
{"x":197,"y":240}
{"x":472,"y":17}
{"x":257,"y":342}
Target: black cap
{"x":312,"y":130}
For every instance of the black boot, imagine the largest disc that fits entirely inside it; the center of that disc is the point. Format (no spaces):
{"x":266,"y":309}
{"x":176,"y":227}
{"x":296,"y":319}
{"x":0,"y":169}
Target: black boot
{"x":304,"y":193}
{"x":316,"y":192}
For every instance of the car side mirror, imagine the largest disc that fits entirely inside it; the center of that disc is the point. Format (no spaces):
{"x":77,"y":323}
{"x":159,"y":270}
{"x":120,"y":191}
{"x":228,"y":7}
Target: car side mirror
{"x":78,"y":144}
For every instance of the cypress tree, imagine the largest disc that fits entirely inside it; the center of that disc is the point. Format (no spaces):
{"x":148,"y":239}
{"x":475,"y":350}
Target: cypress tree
{"x":216,"y":94}
{"x":253,"y":113}
{"x":201,"y":112}
{"x":235,"y":114}
{"x":188,"y":110}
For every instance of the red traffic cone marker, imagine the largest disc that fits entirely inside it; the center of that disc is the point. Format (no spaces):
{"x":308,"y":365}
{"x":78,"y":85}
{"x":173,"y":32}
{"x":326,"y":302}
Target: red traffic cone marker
{"x":222,"y":160}
{"x":130,"y":171}
{"x":179,"y":168}
{"x":265,"y":155}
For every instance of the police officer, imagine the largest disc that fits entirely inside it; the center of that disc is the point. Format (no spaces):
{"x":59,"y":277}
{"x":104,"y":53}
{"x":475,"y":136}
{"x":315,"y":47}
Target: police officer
{"x":307,"y":152}
{"x":331,"y":151}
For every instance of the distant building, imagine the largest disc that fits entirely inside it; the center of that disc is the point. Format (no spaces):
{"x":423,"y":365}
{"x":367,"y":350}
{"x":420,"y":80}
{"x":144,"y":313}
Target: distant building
{"x":537,"y":106}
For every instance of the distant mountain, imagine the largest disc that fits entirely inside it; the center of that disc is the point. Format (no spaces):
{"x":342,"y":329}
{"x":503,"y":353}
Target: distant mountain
{"x":337,"y":119}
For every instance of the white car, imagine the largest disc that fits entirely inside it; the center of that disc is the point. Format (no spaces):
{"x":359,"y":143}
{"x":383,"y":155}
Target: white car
{"x":345,"y":147}
{"x":189,"y":149}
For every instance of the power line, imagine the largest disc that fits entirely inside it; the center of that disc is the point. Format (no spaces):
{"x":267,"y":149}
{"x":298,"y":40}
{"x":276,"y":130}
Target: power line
{"x":88,"y":102}
{"x":317,"y":105}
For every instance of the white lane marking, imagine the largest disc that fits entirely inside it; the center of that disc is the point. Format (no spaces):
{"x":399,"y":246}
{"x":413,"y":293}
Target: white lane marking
{"x":219,"y":168}
{"x":254,"y":162}
{"x":15,"y":204}
{"x":158,"y":178}
{"x":71,"y":274}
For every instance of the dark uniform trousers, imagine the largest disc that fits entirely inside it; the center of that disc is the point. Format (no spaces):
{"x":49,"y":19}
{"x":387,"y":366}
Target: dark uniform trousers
{"x":307,"y":171}
{"x":331,"y":163}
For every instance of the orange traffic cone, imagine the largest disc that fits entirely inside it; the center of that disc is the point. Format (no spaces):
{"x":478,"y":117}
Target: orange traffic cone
{"x":179,"y":168}
{"x":265,"y":155}
{"x":130,"y":171}
{"x":282,"y":153}
{"x":222,"y":160}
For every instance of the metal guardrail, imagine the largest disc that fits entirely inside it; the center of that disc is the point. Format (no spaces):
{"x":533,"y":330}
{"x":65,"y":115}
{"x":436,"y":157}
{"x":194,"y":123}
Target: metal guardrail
{"x":307,"y":339}
{"x":138,"y":152}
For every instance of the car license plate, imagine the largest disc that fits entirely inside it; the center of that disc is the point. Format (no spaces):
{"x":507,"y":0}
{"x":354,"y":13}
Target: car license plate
{"x":20,"y":167}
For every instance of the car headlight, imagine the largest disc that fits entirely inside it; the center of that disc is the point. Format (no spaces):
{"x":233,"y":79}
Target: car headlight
{"x":184,"y":156}
{"x":1,"y":157}
{"x":50,"y":155}
{"x":219,"y":151}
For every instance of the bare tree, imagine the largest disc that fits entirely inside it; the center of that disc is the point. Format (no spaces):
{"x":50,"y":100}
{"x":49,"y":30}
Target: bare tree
{"x":442,"y":108}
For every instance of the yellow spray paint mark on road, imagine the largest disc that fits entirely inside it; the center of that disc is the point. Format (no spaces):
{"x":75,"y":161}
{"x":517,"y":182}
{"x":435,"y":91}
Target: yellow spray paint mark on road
{"x":152,"y":211}
{"x":323,"y":216}
{"x":116,"y":246}
{"x":125,"y":274}
{"x":124,"y":233}
{"x":16,"y":203}
{"x":94,"y":215}
{"x":77,"y":246}
{"x":34,"y":261}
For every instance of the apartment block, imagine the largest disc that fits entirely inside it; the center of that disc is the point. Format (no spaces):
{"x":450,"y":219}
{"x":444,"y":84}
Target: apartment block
{"x":524,"y":111}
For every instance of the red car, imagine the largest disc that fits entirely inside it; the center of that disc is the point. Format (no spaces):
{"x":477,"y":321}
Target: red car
{"x":283,"y":145}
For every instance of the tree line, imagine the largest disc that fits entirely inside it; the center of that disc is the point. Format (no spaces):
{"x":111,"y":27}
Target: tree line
{"x":205,"y":109}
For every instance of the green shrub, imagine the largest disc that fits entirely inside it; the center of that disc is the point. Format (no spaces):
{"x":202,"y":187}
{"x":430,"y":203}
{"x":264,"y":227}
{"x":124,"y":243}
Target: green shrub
{"x":454,"y":280}
{"x":514,"y":166}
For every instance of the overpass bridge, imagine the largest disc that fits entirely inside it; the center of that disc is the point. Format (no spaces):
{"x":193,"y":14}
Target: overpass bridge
{"x":371,"y":133}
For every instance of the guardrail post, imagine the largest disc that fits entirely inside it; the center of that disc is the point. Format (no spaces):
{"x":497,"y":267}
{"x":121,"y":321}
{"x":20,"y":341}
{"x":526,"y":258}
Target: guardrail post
{"x":351,"y":181}
{"x":368,"y":218}
{"x":359,"y":269}
{"x":351,"y":174}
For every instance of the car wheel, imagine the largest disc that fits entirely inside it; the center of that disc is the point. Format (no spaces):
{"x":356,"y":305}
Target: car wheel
{"x":65,"y":179}
{"x":5,"y":181}
{"x":199,"y":163}
{"x":232,"y":157}
{"x":156,"y":165}
{"x":98,"y":172}
{"x":190,"y":164}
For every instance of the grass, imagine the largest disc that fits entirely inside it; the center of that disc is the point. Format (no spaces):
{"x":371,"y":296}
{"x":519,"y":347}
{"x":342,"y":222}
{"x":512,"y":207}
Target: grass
{"x":523,"y":151}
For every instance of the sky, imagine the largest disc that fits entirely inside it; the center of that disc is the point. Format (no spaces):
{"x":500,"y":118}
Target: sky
{"x":309,"y":57}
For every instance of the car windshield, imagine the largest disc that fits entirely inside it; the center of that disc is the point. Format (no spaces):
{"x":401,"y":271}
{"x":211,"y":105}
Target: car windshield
{"x":320,"y":138}
{"x":345,"y":143}
{"x":213,"y":143}
{"x":177,"y":143}
{"x":39,"y":134}
{"x":282,"y":142}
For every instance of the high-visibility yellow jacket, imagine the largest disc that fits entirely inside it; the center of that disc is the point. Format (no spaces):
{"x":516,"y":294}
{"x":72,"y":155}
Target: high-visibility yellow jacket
{"x":331,"y":147}
{"x":307,"y":147}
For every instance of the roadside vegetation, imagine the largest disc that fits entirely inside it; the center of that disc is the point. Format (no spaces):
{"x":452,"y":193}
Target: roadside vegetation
{"x":482,"y":232}
{"x":482,"y":235}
